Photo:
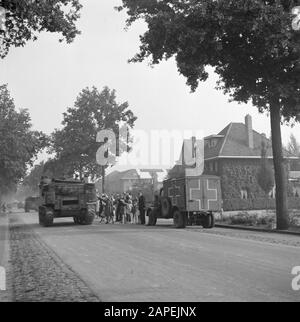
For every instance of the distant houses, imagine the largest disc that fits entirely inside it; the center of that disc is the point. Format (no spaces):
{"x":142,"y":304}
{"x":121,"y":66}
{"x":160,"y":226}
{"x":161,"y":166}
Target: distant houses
{"x":134,"y":180}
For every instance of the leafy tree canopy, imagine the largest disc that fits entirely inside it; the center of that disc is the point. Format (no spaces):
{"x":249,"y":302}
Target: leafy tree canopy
{"x":294,"y":149}
{"x":25,"y":18}
{"x":294,"y":146}
{"x":75,"y":144}
{"x":250,"y":44}
{"x":18,"y":143}
{"x":32,"y":180}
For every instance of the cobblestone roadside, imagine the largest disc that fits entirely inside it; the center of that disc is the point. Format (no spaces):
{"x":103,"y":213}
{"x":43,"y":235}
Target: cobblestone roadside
{"x":38,"y":274}
{"x":5,"y":296}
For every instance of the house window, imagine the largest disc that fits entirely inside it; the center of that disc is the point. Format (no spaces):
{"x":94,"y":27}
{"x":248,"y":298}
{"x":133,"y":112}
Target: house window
{"x":244,"y":194}
{"x":213,"y":143}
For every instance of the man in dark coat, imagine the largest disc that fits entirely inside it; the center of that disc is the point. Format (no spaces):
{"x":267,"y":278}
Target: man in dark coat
{"x":142,"y":208}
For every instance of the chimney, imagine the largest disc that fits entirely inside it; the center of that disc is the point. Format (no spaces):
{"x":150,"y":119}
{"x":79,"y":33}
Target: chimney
{"x":248,"y":123}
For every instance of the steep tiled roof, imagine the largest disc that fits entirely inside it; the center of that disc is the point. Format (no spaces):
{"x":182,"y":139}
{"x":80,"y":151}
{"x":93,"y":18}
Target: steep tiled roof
{"x":234,"y":143}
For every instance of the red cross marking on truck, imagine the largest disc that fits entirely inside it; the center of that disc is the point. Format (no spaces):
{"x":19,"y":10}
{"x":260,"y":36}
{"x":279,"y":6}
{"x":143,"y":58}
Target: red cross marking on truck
{"x":212,"y":195}
{"x":174,"y":193}
{"x":196,"y":194}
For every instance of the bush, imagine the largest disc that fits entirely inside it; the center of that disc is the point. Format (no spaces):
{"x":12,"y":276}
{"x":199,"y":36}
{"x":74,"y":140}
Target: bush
{"x":295,"y":220}
{"x":243,"y":218}
{"x":256,"y":204}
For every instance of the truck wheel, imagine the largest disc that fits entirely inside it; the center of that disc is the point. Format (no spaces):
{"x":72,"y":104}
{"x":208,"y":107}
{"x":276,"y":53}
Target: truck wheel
{"x":87,"y":217}
{"x":41,"y":220}
{"x":42,"y":211}
{"x":212,"y":223}
{"x":209,"y":221}
{"x":152,"y":218}
{"x":48,"y":217}
{"x":76,"y":220}
{"x":179,"y":219}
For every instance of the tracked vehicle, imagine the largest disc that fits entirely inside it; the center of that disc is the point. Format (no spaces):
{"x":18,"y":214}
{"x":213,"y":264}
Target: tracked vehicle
{"x":61,"y":199}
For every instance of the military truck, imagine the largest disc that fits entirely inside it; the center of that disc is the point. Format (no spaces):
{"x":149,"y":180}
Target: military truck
{"x":31,"y":203}
{"x":188,"y":200}
{"x":62,"y":198}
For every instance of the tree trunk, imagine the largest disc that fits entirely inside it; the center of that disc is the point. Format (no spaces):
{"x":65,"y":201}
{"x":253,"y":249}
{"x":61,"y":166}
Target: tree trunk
{"x":103,"y":179}
{"x":280,"y":172}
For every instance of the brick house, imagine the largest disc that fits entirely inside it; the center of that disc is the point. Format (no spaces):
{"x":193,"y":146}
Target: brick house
{"x":235,"y":156}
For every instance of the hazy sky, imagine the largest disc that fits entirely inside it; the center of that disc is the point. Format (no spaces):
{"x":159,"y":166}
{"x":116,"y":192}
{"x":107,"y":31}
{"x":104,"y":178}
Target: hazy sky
{"x":46,"y":76}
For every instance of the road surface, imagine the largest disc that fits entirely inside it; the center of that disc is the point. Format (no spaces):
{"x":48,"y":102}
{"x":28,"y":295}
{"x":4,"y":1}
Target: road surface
{"x":137,"y":263}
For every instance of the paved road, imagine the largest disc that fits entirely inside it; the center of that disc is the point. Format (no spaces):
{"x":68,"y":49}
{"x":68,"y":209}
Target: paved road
{"x":136,"y":263}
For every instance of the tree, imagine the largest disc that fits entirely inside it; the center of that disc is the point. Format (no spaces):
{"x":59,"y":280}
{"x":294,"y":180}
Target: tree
{"x":251,"y":46}
{"x":57,"y":168}
{"x":294,"y":149}
{"x":32,"y":180}
{"x":75,"y":144}
{"x":265,"y":175}
{"x":294,"y":146}
{"x":52,"y":168}
{"x":25,"y":18}
{"x":18,"y":143}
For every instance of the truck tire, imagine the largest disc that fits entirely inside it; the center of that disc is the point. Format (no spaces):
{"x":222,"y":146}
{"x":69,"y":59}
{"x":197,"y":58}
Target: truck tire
{"x":42,"y":211}
{"x":166,"y":207}
{"x":209,"y":221}
{"x":46,"y":217}
{"x":212,"y":223}
{"x":76,"y":220}
{"x":179,"y":219}
{"x":87,"y":217}
{"x":152,"y":218}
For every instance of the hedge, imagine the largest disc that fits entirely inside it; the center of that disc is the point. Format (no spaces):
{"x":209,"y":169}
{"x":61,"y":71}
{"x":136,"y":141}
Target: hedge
{"x":256,"y":204}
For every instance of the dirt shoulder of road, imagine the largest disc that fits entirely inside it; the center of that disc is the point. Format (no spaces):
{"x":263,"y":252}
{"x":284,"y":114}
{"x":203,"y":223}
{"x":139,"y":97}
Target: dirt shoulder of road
{"x":38,"y":274}
{"x":295,"y":232}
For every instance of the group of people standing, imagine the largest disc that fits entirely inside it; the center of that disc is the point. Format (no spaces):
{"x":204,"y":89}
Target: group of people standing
{"x":122,"y":208}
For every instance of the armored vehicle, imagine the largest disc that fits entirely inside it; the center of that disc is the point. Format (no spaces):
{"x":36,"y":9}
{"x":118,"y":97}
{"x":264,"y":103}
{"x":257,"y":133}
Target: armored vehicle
{"x":61,"y":198}
{"x":188,"y":200}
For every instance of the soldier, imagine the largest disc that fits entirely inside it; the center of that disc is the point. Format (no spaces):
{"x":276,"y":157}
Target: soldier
{"x":135,"y":211}
{"x":122,"y":205}
{"x":142,"y":207}
{"x":129,"y":216}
